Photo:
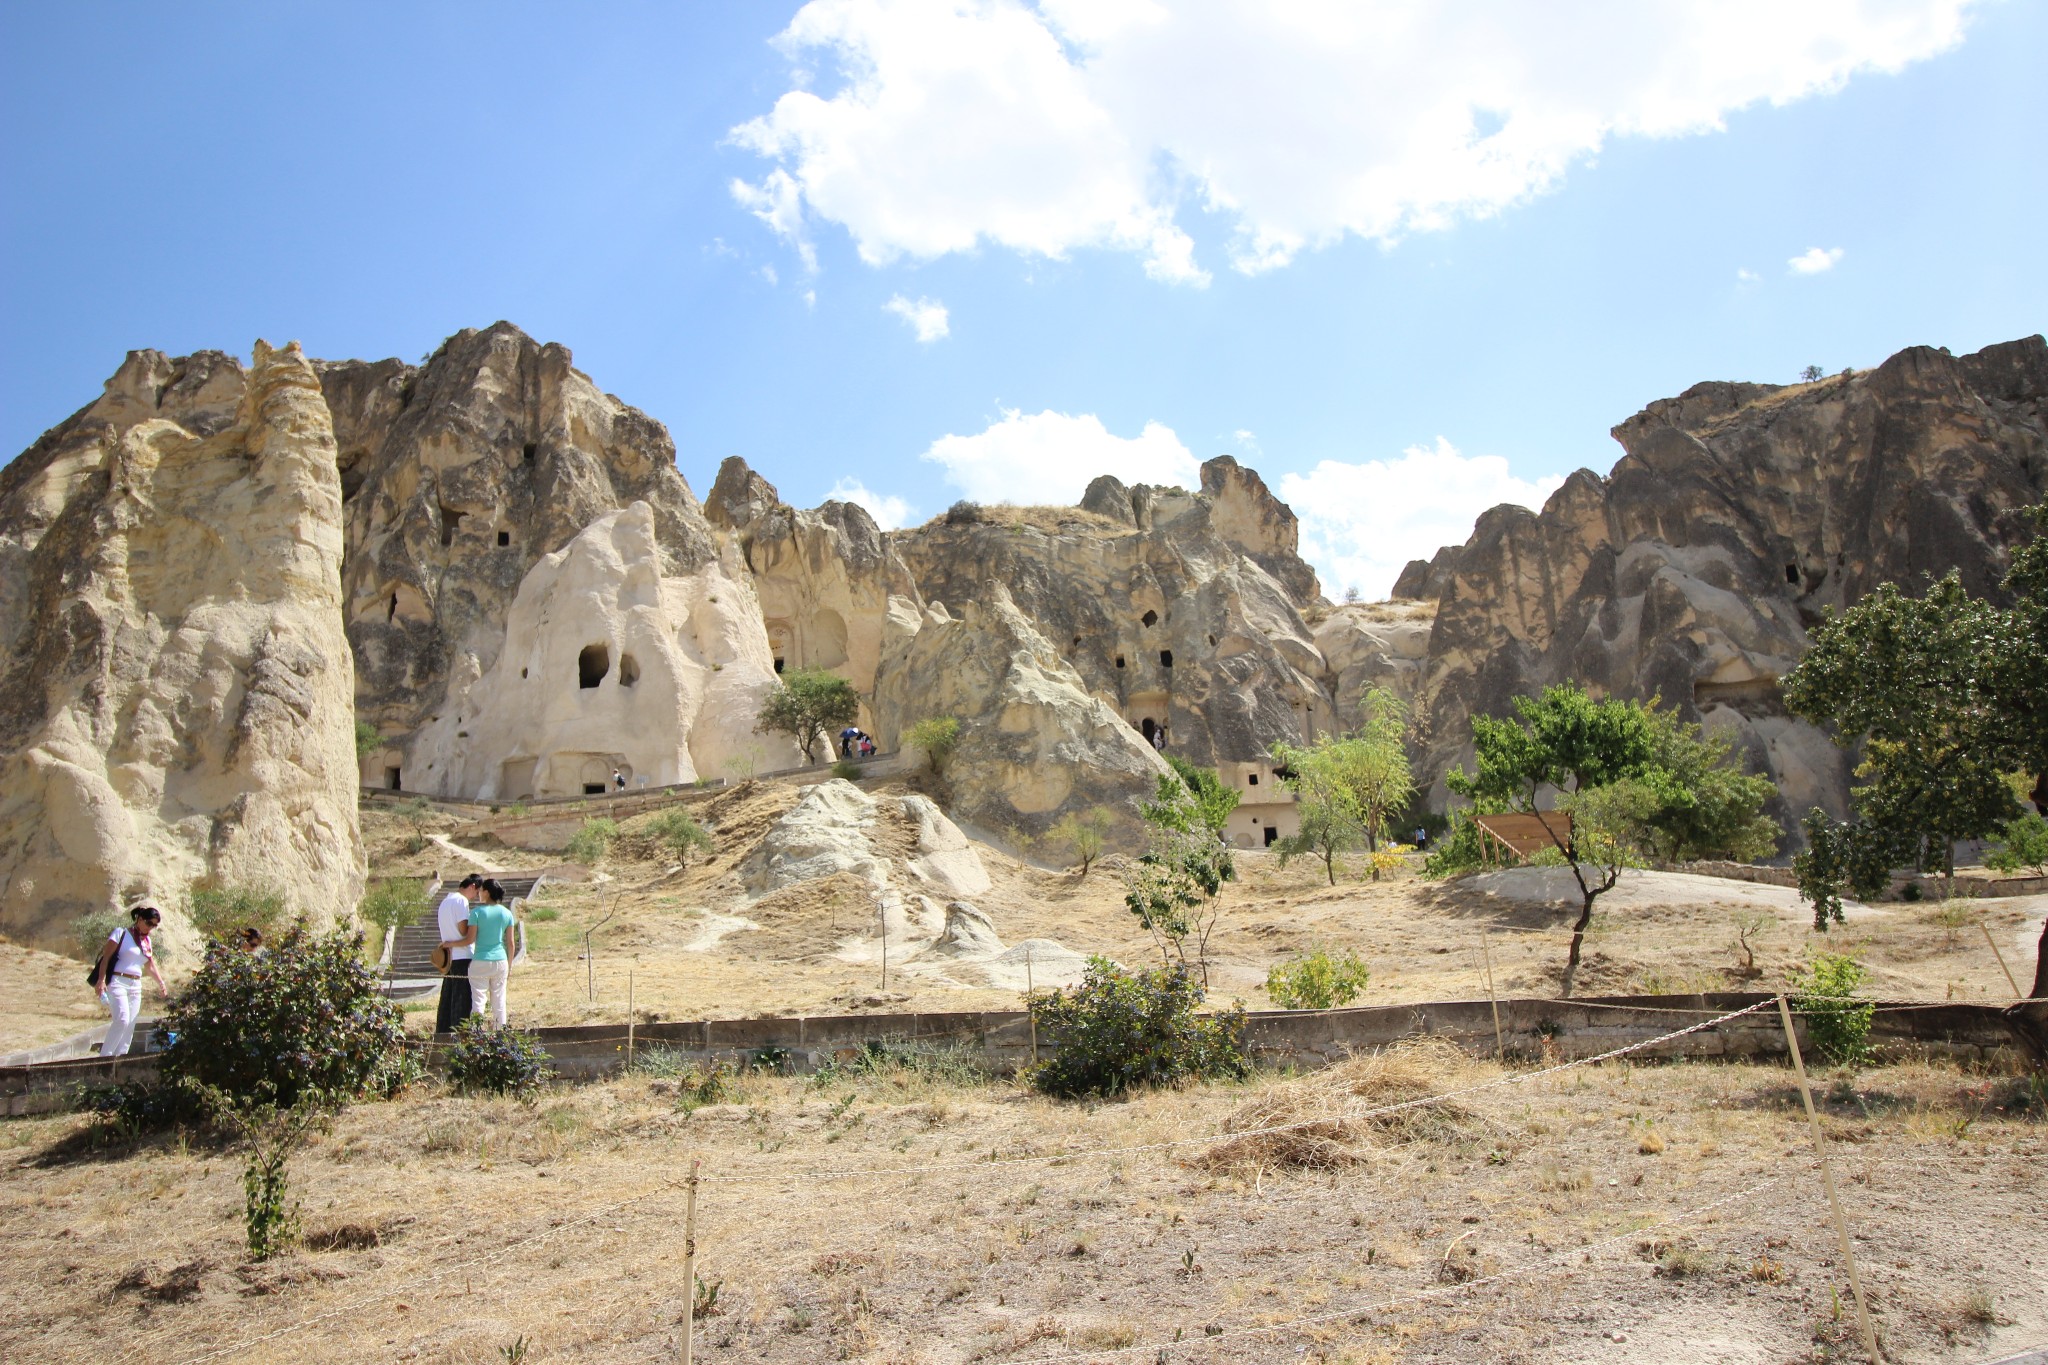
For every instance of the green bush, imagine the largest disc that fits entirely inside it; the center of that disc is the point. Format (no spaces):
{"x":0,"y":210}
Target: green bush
{"x":392,"y":903}
{"x":935,"y":737}
{"x":1120,"y":1029}
{"x":260,"y":1028}
{"x":1837,"y":1023}
{"x":846,"y":770}
{"x":1459,"y":848}
{"x":2022,"y":844}
{"x":219,"y":911}
{"x":680,"y":834}
{"x":497,"y":1061}
{"x":95,"y":927}
{"x":1317,"y":981}
{"x":590,"y":843}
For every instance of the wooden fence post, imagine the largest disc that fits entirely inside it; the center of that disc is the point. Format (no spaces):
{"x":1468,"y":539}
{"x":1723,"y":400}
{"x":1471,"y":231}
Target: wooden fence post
{"x":2010,"y":980}
{"x":690,"y":1266}
{"x":1827,"y":1178}
{"x":1500,"y":1048}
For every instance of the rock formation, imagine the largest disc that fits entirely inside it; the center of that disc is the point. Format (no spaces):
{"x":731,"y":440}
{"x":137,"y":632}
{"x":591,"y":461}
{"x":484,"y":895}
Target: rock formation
{"x":1034,"y":742}
{"x":824,"y":577}
{"x":608,"y":666}
{"x":177,"y":701}
{"x":1738,"y":516}
{"x":460,"y":476}
{"x":1159,"y":600}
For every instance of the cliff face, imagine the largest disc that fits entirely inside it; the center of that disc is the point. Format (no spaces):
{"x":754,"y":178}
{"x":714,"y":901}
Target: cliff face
{"x":176,"y":703}
{"x":1739,"y":514}
{"x":460,"y":476}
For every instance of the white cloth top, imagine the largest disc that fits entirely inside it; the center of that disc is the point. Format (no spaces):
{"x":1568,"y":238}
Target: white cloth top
{"x":454,"y":909}
{"x":129,"y":956}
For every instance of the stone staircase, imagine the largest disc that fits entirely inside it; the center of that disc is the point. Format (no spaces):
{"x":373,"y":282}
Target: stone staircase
{"x":412,"y":949}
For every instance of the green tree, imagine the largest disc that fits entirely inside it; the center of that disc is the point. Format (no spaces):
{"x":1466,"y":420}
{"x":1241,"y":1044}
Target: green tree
{"x":1707,"y":807}
{"x":1083,"y":833}
{"x":592,"y":841}
{"x":220,"y":911}
{"x":1914,"y":678}
{"x":368,"y":741}
{"x":1375,"y":768}
{"x":809,"y":705}
{"x":935,"y":737}
{"x":1600,"y":757}
{"x":678,"y":831}
{"x":1841,"y":856}
{"x":1331,"y":820}
{"x":1175,"y":887}
{"x":2022,"y":844}
{"x":1213,"y":802}
{"x":391,"y":903}
{"x":1120,"y":1029}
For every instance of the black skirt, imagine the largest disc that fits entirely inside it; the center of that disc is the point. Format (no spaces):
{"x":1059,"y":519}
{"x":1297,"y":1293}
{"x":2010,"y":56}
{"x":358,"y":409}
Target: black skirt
{"x":456,"y":1004}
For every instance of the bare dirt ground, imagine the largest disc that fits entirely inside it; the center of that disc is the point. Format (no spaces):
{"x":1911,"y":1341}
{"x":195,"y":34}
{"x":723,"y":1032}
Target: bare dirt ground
{"x":1603,"y":1214}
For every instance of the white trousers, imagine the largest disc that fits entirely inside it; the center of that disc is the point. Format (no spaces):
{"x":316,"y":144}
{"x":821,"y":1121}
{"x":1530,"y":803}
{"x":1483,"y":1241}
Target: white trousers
{"x":124,"y":997}
{"x":488,"y":979}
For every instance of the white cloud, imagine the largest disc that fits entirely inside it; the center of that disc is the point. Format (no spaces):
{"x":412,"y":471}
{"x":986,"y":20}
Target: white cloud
{"x":768,"y":274}
{"x":1815,"y":260}
{"x":1062,"y":124}
{"x":888,"y":510}
{"x":1361,"y":523}
{"x":1048,"y":458}
{"x":927,"y":317}
{"x":1743,"y":275}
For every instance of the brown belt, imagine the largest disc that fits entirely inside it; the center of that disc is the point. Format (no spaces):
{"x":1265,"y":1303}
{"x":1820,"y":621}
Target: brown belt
{"x":132,"y":976}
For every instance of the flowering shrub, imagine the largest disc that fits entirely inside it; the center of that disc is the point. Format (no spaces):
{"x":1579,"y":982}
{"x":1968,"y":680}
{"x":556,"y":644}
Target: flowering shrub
{"x":499,"y":1061}
{"x":306,"y":1015}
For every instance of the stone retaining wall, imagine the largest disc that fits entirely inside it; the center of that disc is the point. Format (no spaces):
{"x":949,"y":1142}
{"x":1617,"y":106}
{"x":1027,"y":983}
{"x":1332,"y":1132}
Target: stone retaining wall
{"x":1931,"y":887}
{"x":1002,"y":1039}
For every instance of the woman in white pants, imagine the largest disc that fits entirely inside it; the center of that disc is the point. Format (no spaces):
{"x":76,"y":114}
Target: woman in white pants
{"x":488,"y":930}
{"x":123,"y":958}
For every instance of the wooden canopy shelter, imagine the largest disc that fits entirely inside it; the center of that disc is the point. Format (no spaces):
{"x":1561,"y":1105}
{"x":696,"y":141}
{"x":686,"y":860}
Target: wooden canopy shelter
{"x":1515,"y":838}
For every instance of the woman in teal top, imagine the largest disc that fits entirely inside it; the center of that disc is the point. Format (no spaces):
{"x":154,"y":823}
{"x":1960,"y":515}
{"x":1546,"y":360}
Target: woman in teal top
{"x":489,"y":931}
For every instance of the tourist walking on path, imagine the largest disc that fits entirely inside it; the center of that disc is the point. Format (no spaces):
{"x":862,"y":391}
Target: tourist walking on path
{"x":487,"y":931}
{"x":118,"y":972}
{"x":454,"y":908}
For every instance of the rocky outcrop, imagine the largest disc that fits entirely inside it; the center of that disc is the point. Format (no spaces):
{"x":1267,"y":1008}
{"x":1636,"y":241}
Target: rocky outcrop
{"x":177,"y":701}
{"x":824,"y":577}
{"x":1034,"y":742}
{"x":609,"y":666}
{"x":1740,"y":514}
{"x":461,"y":475}
{"x":1161,"y":615}
{"x":1381,"y":644}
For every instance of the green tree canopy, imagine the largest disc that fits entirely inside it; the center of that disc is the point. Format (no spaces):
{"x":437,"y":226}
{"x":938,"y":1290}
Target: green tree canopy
{"x":810,"y":704}
{"x":1212,"y":801}
{"x":1636,"y":781}
{"x":1324,"y":802}
{"x":1914,"y":678}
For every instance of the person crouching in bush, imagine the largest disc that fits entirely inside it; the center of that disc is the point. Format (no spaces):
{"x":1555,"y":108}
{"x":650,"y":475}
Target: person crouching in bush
{"x":487,"y":931}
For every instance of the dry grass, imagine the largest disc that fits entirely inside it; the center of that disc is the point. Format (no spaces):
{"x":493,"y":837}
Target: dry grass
{"x":1322,"y":1120}
{"x":558,"y":1222}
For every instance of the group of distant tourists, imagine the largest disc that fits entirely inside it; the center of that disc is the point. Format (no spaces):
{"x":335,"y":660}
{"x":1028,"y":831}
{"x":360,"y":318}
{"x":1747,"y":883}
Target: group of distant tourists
{"x":481,"y":939}
{"x":856,"y":743}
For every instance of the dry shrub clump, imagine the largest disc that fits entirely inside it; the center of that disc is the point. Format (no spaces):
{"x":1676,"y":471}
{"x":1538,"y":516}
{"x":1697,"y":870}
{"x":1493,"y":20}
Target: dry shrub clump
{"x":1324,"y":1120}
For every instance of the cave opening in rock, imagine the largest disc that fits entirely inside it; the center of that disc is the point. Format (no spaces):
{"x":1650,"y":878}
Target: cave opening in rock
{"x":450,"y":519}
{"x":530,"y":451}
{"x":629,"y":670}
{"x":391,"y":776}
{"x":504,"y":538}
{"x":1150,"y":618}
{"x":1166,"y":658}
{"x":1251,"y":779}
{"x":778,"y":665}
{"x":1791,"y":573}
{"x":392,"y":614}
{"x":1119,"y":661}
{"x":592,"y":664}
{"x":593,"y":789}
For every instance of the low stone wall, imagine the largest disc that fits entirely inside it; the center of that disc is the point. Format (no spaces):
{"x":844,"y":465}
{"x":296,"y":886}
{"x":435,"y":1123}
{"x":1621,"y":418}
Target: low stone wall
{"x":1002,"y":1040}
{"x":1931,"y":887}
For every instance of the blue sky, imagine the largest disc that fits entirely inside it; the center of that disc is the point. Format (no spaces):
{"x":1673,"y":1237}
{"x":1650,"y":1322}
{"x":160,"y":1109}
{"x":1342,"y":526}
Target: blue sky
{"x":1405,"y":270}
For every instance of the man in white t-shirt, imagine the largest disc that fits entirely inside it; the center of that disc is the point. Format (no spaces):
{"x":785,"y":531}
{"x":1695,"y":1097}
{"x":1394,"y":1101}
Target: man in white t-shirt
{"x":454,"y":908}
